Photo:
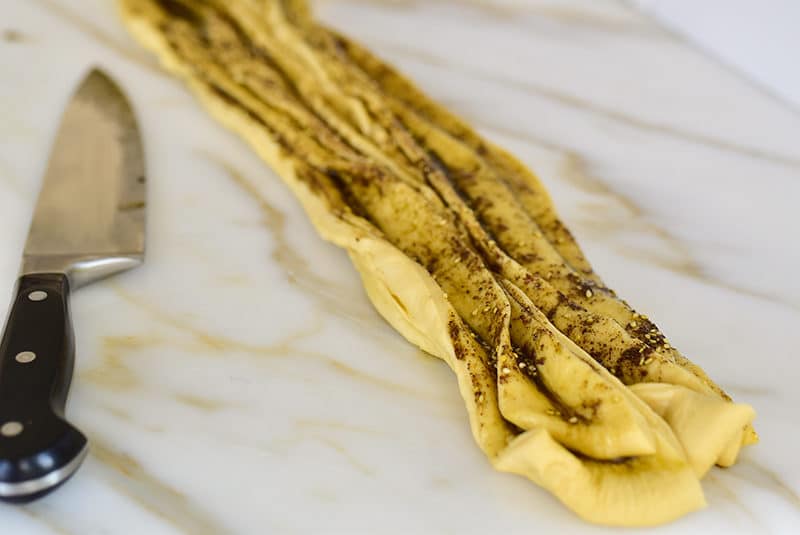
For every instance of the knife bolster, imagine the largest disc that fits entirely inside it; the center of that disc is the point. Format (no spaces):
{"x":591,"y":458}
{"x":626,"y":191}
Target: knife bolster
{"x":80,"y":269}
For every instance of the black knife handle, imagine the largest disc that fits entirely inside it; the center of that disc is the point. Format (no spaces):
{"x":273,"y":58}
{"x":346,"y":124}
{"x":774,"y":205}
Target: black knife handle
{"x":39,"y":449}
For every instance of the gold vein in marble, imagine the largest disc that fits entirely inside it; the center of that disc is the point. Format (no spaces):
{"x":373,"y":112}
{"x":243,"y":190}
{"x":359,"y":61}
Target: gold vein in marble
{"x":342,"y":450}
{"x":48,"y":517}
{"x":124,"y":415}
{"x":98,"y":35}
{"x":680,"y":259}
{"x":337,"y":425}
{"x":323,"y":495}
{"x":202,"y":403}
{"x":328,"y":294}
{"x":677,"y":258}
{"x":127,"y":475}
{"x":581,"y":104}
{"x":759,"y":473}
{"x":504,"y":11}
{"x":749,"y":390}
{"x":511,"y":12}
{"x":380,"y":382}
{"x":732,"y":497}
{"x":626,"y":215}
{"x":115,"y":374}
{"x":281,"y":446}
{"x":15,"y":36}
{"x":221,"y":345}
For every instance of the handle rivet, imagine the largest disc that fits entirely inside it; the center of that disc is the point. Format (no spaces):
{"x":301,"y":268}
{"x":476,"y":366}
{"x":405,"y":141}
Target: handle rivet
{"x":11,"y":429}
{"x":37,"y":295}
{"x":25,"y":357}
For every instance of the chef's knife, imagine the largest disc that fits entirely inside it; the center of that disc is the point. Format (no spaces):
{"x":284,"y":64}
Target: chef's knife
{"x":88,"y":224}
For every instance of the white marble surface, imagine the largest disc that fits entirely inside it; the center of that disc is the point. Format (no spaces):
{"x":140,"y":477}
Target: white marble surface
{"x":240,"y":382}
{"x":754,"y":37}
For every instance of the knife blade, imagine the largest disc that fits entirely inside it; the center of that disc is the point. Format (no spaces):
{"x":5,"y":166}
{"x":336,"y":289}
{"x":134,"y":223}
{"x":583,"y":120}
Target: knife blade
{"x":89,"y":223}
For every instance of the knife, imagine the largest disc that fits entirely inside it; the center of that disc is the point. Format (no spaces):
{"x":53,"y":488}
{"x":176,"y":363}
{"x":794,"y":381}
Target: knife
{"x":88,"y":223}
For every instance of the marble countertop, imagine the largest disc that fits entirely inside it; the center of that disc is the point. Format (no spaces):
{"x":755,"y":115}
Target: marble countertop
{"x":240,"y":381}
